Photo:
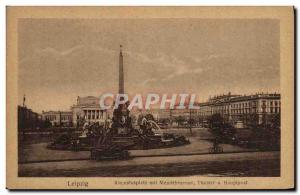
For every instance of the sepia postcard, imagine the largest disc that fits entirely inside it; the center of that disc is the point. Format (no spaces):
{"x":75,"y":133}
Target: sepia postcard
{"x":167,"y":98}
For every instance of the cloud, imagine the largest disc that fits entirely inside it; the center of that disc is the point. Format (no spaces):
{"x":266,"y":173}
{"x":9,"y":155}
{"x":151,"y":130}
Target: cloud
{"x":50,"y":50}
{"x":206,"y":58}
{"x":139,"y":57}
{"x":170,"y":64}
{"x":102,"y":49}
{"x":145,"y":82}
{"x":176,"y":66}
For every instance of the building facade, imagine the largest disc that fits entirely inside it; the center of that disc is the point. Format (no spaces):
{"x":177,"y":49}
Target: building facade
{"x":88,"y":109}
{"x":58,"y":118}
{"x":235,"y":109}
{"x":27,"y":118}
{"x":248,"y":109}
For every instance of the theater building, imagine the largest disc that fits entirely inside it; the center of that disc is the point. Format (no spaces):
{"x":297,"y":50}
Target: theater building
{"x":87,"y":109}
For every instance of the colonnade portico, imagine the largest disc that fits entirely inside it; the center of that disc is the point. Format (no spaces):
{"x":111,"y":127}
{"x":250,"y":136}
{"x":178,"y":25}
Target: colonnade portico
{"x":95,"y":114}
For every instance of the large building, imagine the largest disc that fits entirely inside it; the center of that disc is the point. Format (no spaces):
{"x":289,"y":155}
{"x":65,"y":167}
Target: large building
{"x":88,"y":109}
{"x":58,"y":118}
{"x":27,"y":119}
{"x":246,"y":109}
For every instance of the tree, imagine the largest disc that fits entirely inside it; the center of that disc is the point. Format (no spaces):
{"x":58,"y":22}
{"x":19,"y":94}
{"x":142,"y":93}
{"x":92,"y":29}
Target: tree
{"x":275,"y":121}
{"x":216,"y":121}
{"x":253,"y":120}
{"x":220,"y":128}
{"x":46,"y":124}
{"x":179,"y":120}
{"x":164,"y":121}
{"x":192,"y":121}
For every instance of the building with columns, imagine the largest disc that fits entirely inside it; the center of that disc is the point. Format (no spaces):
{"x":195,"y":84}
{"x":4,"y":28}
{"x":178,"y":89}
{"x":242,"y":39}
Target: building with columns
{"x":87,"y":109}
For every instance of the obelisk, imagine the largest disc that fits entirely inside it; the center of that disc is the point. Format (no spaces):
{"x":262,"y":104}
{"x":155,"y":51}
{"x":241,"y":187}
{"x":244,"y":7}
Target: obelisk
{"x":121,"y":72}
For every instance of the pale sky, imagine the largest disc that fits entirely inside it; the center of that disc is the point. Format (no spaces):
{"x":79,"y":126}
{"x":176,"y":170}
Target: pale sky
{"x":60,"y":59}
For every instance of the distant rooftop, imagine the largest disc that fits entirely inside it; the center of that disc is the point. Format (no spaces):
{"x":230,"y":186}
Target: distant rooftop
{"x":229,"y":97}
{"x":88,"y":100}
